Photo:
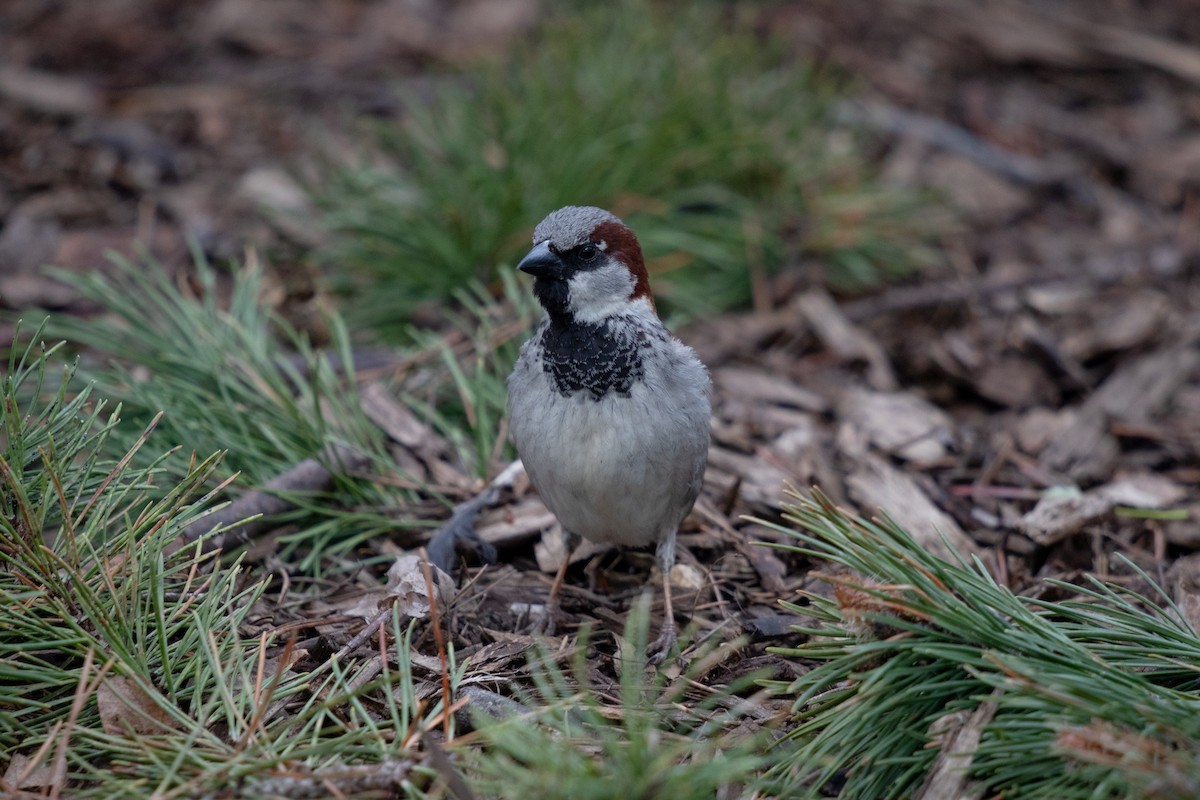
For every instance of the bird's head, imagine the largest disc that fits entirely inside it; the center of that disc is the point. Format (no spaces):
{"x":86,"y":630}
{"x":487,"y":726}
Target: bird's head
{"x":587,"y":266}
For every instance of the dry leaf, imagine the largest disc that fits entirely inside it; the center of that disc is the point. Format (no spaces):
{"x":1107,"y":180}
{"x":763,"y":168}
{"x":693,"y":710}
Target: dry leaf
{"x":406,"y":583}
{"x":20,"y":776}
{"x":125,"y":707}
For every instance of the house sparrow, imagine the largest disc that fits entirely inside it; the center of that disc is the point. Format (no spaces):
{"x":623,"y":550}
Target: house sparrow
{"x":608,"y":411}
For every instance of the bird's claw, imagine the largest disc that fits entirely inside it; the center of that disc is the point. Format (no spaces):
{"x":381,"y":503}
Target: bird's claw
{"x":660,"y":648}
{"x":547,"y":625}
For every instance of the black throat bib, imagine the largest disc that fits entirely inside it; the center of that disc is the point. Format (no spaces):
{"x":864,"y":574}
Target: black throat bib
{"x":590,"y":357}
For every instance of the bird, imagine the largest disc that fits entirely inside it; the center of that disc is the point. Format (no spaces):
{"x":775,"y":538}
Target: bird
{"x":610,"y":414}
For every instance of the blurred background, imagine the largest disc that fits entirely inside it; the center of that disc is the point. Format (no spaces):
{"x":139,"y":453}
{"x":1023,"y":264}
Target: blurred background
{"x":408,"y":146}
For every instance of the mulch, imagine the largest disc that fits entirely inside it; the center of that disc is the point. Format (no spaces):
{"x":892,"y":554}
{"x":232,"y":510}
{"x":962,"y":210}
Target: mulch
{"x":1056,"y":347}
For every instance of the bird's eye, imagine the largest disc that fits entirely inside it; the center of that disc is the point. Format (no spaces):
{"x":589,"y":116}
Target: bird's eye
{"x":588,"y":252}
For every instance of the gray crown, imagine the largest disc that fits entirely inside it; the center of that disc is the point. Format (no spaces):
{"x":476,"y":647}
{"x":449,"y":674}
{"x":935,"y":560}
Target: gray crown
{"x":571,"y":226}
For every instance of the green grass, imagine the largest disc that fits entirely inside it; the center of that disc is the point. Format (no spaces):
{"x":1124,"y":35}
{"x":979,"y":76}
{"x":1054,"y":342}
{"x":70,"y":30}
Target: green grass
{"x":716,"y":147}
{"x":1097,"y":696}
{"x":1094,"y":697}
{"x":97,"y":605}
{"x":229,"y":376}
{"x":649,"y":740}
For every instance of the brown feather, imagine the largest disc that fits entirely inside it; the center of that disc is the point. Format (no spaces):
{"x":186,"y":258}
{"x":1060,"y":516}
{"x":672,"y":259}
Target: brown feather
{"x":623,"y":244}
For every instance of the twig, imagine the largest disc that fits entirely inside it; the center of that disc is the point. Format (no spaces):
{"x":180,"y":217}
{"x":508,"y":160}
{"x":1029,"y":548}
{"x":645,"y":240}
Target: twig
{"x":435,"y":620}
{"x":361,"y":637}
{"x":956,"y":291}
{"x":250,"y":515}
{"x":454,"y":781}
{"x":1018,"y":168}
{"x":346,"y":780}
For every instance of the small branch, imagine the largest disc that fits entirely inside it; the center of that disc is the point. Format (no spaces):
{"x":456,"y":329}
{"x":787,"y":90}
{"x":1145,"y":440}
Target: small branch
{"x":435,"y":620}
{"x":337,"y":781}
{"x":250,"y":515}
{"x":1018,"y":168}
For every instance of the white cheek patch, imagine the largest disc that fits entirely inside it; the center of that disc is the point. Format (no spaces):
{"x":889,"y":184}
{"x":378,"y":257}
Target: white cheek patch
{"x":599,"y":293}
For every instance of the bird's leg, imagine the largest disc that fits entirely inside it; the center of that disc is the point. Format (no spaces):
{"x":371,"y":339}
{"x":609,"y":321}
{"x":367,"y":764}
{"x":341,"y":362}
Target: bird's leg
{"x":553,"y":608}
{"x":661,"y":647}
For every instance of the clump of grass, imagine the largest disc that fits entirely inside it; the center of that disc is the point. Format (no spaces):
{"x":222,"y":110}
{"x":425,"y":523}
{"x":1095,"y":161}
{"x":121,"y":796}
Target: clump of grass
{"x":464,"y":396}
{"x":231,"y":377}
{"x":1093,"y":697}
{"x":645,"y":742}
{"x":715,"y":147}
{"x":225,"y":374}
{"x":126,"y":664}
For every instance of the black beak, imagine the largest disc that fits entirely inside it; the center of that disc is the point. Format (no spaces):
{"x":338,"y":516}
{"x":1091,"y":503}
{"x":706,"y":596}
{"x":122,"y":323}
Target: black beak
{"x":542,"y":262}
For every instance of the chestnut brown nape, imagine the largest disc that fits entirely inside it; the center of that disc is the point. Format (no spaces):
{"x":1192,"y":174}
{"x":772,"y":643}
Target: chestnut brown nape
{"x":623,"y":244}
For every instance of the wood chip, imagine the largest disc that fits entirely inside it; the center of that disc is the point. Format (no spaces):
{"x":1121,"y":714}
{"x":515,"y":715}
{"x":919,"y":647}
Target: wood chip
{"x":1137,"y":392}
{"x":1014,"y":380}
{"x":125,"y":707}
{"x":957,"y":737}
{"x":899,"y":423}
{"x":494,"y":705}
{"x":516,"y":523}
{"x":1060,"y":514}
{"x":20,"y":774}
{"x":760,"y":387}
{"x":1084,"y":450}
{"x":1183,"y":581}
{"x":407,"y":584}
{"x":770,"y":568}
{"x":47,"y":92}
{"x":845,"y":339}
{"x":762,"y":484}
{"x":402,"y":426}
{"x":1140,"y":389}
{"x":397,"y":421}
{"x":688,"y":576}
{"x":1185,"y":532}
{"x":875,"y":485}
{"x":550,"y":550}
{"x":981,"y":193}
{"x":1037,"y":427}
{"x":1130,"y":323}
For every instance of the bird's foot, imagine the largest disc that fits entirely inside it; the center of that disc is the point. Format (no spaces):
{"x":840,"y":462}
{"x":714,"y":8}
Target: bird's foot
{"x":660,"y":648}
{"x":547,"y":625}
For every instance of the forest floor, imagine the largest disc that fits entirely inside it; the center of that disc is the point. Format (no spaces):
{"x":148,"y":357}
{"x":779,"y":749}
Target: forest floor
{"x":1034,"y":401}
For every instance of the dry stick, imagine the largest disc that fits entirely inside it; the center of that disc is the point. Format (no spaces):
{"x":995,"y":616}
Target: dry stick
{"x":454,"y":782}
{"x":1016,"y":167}
{"x":262,"y":702}
{"x":361,"y":637}
{"x":124,"y":462}
{"x":337,"y":780}
{"x":249,"y":515}
{"x":84,"y":690}
{"x":435,"y":620}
